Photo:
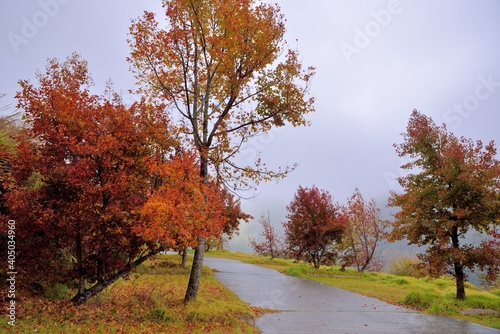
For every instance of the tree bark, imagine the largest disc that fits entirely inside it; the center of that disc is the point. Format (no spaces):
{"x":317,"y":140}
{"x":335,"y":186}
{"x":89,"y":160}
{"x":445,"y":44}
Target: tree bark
{"x":184,"y":254}
{"x":79,"y":261}
{"x":460,"y":279}
{"x":199,"y":252}
{"x":195,"y":276}
{"x":458,"y":266}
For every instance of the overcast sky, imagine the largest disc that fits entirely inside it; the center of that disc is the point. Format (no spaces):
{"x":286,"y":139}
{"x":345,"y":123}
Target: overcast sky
{"x":376,"y":61}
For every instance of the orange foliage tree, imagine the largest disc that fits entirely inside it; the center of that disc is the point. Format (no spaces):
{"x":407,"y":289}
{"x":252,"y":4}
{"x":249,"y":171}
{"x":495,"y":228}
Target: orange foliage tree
{"x":184,"y":207}
{"x":453,"y":188}
{"x":222,"y":68}
{"x":315,"y":226}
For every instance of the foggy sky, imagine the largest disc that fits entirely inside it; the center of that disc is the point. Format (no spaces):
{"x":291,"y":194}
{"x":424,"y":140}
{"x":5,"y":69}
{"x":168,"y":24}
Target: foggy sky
{"x":376,"y":61}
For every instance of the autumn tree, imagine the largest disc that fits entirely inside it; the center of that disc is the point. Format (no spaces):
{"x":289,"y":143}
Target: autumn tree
{"x":223,"y":69}
{"x":83,"y":170}
{"x":315,"y":226}
{"x":364,"y":232}
{"x":10,"y":126}
{"x":452,"y":189}
{"x":272,"y":244}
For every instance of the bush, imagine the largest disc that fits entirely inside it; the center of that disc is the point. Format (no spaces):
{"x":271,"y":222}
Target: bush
{"x":406,"y":266}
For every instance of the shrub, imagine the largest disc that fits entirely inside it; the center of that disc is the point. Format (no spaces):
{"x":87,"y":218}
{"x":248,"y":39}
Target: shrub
{"x":406,"y":266}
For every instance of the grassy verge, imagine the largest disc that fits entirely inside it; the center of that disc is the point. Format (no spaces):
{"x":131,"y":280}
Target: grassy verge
{"x":150,"y":301}
{"x":434,"y":296}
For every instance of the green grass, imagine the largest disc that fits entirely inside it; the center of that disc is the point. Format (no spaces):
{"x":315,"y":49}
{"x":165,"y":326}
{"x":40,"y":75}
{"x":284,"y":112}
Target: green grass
{"x":430,"y":295}
{"x":150,"y":301}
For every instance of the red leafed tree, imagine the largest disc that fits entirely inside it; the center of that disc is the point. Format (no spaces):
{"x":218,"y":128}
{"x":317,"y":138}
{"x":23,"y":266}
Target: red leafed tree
{"x":364,"y":232}
{"x":224,"y":71}
{"x":453,"y":188}
{"x":315,"y":226}
{"x":82,"y":174}
{"x":272,"y":244}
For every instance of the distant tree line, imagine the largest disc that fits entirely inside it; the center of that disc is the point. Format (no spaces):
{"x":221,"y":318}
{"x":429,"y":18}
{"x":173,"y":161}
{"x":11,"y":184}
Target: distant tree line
{"x":319,"y":231}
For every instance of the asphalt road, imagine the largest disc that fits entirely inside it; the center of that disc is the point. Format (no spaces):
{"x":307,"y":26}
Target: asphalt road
{"x":308,"y":307}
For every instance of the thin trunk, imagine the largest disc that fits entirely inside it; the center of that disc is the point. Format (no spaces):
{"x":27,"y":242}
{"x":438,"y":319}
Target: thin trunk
{"x":271,"y":249}
{"x":316,"y":260}
{"x":79,"y":261}
{"x":199,"y":253}
{"x":184,"y":254}
{"x":195,"y":276}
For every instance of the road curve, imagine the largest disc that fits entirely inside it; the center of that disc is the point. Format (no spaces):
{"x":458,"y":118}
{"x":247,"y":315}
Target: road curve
{"x":309,"y":307}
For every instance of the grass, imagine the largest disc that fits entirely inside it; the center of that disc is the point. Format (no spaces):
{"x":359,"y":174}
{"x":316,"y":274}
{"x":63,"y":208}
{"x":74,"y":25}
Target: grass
{"x":150,"y":301}
{"x":430,"y":295}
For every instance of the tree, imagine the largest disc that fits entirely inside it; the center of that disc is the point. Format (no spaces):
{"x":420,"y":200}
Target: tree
{"x":364,"y":232}
{"x":222,"y":68}
{"x":315,"y":226}
{"x":272,"y":245}
{"x":83,"y":170}
{"x":452,"y":189}
{"x":10,"y":127}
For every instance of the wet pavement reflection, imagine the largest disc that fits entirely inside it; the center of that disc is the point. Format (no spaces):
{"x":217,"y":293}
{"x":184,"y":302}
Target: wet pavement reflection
{"x":311,"y":307}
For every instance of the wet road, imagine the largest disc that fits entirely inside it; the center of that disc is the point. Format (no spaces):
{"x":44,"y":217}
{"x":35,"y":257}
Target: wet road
{"x":308,"y":307}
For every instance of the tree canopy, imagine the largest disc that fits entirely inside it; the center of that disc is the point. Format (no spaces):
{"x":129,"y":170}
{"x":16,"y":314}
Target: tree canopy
{"x":452,"y":189}
{"x":314,"y":227}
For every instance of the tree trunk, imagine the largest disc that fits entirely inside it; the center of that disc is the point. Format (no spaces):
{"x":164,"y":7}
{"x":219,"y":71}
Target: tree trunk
{"x":184,"y":254}
{"x":316,"y":260}
{"x":460,"y":279}
{"x":79,"y":261}
{"x":458,"y":266}
{"x":195,"y":276}
{"x":199,"y":252}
